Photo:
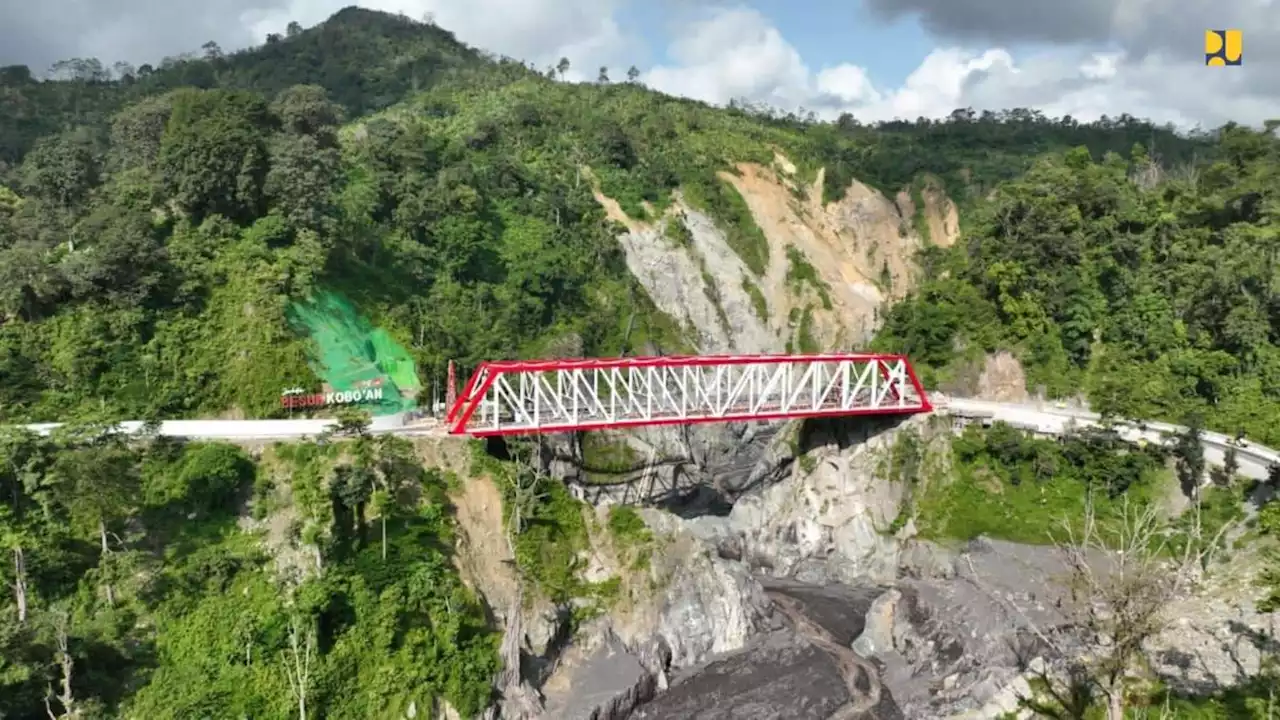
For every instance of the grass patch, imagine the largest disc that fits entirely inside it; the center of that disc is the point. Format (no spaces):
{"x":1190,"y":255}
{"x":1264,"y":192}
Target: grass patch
{"x":804,"y":333}
{"x":1220,"y":506}
{"x":604,"y":454}
{"x":800,"y":272}
{"x":1012,"y":486}
{"x":712,"y":292}
{"x":723,"y":202}
{"x":758,"y":302}
{"x":631,"y":537}
{"x":918,"y":219}
{"x":676,"y":231}
{"x":553,"y":531}
{"x":905,"y":457}
{"x":807,"y":463}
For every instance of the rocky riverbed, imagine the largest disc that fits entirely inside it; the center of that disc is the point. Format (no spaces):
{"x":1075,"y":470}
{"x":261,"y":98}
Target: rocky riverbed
{"x":806,"y":602}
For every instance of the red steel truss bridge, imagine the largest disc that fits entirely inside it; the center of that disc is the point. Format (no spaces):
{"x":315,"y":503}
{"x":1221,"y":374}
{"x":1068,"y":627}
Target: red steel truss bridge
{"x":549,"y":396}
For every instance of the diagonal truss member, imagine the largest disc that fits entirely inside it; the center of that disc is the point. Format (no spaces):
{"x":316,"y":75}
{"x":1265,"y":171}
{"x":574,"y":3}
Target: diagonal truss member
{"x":517,"y":397}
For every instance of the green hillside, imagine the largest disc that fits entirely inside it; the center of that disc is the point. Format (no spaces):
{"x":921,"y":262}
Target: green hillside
{"x":370,"y":199}
{"x":1154,"y":290}
{"x":157,"y":229}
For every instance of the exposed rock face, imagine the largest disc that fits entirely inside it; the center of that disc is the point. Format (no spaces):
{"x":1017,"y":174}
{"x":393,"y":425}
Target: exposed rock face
{"x":1217,"y":638}
{"x":861,"y":249}
{"x":833,"y":521}
{"x":599,"y":680}
{"x":952,"y":633}
{"x":718,"y":318}
{"x":958,"y":644}
{"x":709,"y":605}
{"x":1003,"y":379}
{"x":675,"y":465}
{"x":703,"y":605}
{"x":941,"y":216}
{"x":787,"y":672}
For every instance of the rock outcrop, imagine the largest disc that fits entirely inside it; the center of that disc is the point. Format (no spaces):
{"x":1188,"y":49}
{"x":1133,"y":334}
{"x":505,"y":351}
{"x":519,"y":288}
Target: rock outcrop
{"x":690,"y":605}
{"x":833,"y":518}
{"x":945,"y":632}
{"x":837,"y":263}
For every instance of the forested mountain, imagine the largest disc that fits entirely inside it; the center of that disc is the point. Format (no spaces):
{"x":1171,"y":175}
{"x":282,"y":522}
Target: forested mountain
{"x":152,"y":237}
{"x":158,"y":224}
{"x":1153,"y":290}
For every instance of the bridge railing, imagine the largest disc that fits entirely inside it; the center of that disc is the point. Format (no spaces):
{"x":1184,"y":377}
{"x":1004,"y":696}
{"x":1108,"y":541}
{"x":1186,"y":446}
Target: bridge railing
{"x":552,"y":396}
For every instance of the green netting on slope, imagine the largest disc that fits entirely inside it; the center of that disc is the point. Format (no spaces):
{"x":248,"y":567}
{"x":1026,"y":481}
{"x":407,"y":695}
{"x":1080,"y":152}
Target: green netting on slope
{"x":349,"y":353}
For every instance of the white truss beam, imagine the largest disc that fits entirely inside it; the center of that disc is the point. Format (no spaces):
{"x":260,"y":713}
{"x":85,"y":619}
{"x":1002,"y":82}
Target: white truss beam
{"x":506,"y":398}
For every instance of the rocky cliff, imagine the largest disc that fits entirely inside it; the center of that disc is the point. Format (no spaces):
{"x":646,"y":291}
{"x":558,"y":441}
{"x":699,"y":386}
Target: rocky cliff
{"x":829,"y":268}
{"x":813,"y":598}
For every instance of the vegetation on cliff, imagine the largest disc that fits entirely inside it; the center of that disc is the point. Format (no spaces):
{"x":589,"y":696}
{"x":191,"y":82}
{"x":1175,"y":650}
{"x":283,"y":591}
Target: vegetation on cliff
{"x":1152,"y":287}
{"x":140,"y":586}
{"x":155,"y":229}
{"x":157,"y":225}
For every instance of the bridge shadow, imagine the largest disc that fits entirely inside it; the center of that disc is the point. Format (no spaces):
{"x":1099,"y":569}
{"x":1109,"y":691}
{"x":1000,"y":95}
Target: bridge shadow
{"x":712,"y":466}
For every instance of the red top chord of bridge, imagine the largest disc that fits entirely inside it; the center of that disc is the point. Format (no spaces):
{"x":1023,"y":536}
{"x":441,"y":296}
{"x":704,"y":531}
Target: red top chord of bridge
{"x":546,"y":396}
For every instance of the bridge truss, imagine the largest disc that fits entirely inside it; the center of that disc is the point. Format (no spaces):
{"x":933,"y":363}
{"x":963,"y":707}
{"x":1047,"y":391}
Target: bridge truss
{"x":522,"y":397}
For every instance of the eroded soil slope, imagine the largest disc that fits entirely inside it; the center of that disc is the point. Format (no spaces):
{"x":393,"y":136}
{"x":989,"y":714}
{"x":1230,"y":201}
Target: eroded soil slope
{"x":831,"y":267}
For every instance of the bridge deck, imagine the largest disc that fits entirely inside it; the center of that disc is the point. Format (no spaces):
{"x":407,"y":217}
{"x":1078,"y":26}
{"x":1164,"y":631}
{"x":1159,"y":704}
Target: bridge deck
{"x":505,"y":398}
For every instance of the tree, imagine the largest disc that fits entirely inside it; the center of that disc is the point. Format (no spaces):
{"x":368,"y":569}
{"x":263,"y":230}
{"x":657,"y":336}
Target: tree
{"x":136,"y":133}
{"x":213,"y":156}
{"x":305,"y":161}
{"x":527,"y":482}
{"x":62,"y":169}
{"x":298,"y":662}
{"x":395,"y":468}
{"x":603,"y":77}
{"x":100,"y":485}
{"x":562,"y":67}
{"x":352,"y":421}
{"x":1189,"y":451}
{"x":293,"y":29}
{"x":23,"y":460}
{"x":1223,"y":476}
{"x":307,"y":110}
{"x":1118,"y":586}
{"x":60,"y":620}
{"x":633,"y":74}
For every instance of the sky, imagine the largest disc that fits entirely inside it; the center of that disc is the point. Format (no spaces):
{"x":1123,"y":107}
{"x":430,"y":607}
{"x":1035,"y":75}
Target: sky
{"x":876,"y":59}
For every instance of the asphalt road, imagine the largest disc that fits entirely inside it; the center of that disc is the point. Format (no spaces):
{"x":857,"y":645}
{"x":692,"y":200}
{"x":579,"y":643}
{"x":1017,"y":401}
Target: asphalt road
{"x":1046,"y":418}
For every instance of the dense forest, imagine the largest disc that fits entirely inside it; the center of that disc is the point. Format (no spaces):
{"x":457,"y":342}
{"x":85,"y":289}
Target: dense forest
{"x":155,"y":228}
{"x":1152,"y":289}
{"x":156,"y":223}
{"x":136,"y":590}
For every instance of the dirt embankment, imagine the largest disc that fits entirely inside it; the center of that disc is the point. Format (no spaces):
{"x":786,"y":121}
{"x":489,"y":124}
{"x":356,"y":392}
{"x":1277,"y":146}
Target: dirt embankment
{"x":831,"y":268}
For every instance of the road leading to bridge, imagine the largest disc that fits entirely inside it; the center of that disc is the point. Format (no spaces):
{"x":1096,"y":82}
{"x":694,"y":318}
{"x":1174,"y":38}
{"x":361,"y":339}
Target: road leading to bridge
{"x":1254,"y":460}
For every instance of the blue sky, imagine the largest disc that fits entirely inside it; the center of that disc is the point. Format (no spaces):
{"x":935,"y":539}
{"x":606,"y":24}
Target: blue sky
{"x":824,"y":55}
{"x":829,"y":32}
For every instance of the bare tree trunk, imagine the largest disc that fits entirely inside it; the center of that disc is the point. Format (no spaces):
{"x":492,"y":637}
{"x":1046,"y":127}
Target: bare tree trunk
{"x":106,"y":552}
{"x":384,"y":536}
{"x":297,"y":664}
{"x":1115,"y":704}
{"x":20,"y":583}
{"x":63,"y":657}
{"x":1116,"y":592}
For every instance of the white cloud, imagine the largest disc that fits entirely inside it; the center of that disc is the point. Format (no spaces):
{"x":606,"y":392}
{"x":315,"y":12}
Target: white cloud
{"x":738,"y":53}
{"x":144,"y":31}
{"x":539,"y":31}
{"x":733,"y":53}
{"x":1149,"y":64}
